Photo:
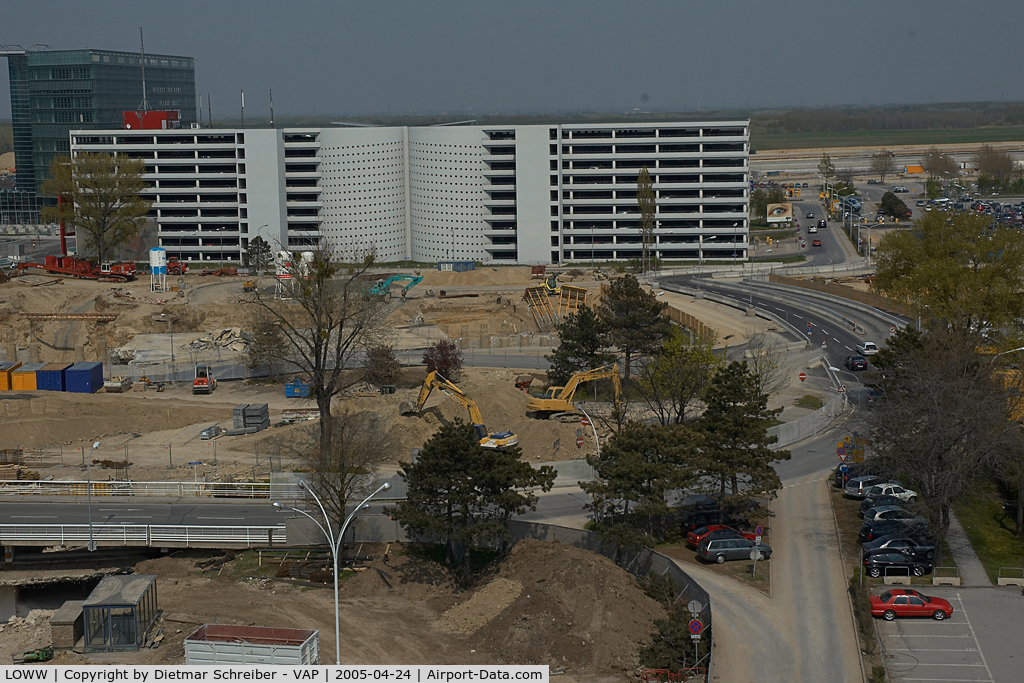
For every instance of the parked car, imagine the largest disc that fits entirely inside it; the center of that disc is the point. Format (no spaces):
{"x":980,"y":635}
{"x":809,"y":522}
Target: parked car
{"x":695,"y":537}
{"x":876,"y":563}
{"x":920,"y":202}
{"x":805,"y":184}
{"x":869,"y":531}
{"x":816,"y":243}
{"x":876,"y":501}
{"x":857,"y":487}
{"x":699,"y":518}
{"x":887,"y":512}
{"x":841,"y":476}
{"x":720,"y":550}
{"x":906,"y":602}
{"x":893,"y":489}
{"x":856,"y":363}
{"x":918,"y":545}
{"x":867,"y":348}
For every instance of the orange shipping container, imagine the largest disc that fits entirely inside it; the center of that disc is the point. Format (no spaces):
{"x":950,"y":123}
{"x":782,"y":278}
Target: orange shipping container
{"x":5,"y":375}
{"x":24,"y":378}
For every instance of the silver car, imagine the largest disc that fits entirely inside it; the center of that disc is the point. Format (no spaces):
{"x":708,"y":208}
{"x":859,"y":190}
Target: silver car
{"x":721,"y":549}
{"x":858,"y":486}
{"x":890,"y":512}
{"x":892,"y":489}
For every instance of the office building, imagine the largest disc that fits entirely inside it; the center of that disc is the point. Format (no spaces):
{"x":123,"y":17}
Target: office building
{"x":506,"y":194}
{"x":55,"y":91}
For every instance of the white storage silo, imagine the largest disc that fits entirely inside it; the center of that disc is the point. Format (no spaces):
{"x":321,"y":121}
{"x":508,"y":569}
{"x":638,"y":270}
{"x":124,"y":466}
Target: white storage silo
{"x":158,"y":269}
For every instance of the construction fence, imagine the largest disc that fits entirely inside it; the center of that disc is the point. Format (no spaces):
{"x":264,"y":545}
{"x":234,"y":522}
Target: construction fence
{"x":846,"y":292}
{"x":700,"y":329}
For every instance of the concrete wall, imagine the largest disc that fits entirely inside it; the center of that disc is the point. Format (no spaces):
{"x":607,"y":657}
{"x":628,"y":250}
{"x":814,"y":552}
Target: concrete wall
{"x":533,"y":196}
{"x":264,"y":185}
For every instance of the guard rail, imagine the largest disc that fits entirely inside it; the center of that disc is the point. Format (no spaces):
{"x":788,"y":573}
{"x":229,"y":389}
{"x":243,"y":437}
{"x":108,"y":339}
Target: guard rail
{"x":154,"y":489}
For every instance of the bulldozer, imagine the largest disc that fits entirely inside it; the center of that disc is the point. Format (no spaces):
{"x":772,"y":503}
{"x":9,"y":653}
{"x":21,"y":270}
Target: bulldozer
{"x":496,"y":441}
{"x":557,"y":401}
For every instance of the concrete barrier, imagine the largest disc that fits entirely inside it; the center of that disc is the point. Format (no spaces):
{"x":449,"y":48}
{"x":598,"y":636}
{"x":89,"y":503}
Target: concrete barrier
{"x":1010,"y":580}
{"x":946,"y":579}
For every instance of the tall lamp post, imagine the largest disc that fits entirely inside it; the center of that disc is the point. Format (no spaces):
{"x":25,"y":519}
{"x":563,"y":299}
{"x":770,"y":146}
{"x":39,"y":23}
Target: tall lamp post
{"x":170,"y":321}
{"x":335,"y":543}
{"x":88,"y":492}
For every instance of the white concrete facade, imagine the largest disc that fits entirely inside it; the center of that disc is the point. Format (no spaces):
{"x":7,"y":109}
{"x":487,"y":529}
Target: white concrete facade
{"x":505,"y":194}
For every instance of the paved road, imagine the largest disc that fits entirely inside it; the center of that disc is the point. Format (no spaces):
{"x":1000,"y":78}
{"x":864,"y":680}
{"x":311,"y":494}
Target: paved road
{"x":859,"y":161}
{"x":832,"y":250}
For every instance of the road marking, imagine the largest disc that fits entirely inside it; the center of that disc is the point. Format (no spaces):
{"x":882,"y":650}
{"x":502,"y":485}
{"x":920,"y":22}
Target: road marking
{"x":848,"y":348}
{"x":120,"y":509}
{"x":968,"y":620}
{"x":796,"y":316}
{"x":222,"y":518}
{"x":33,"y":516}
{"x":781,"y":310}
{"x":926,"y":635}
{"x":914,"y":649}
{"x":951,"y":680}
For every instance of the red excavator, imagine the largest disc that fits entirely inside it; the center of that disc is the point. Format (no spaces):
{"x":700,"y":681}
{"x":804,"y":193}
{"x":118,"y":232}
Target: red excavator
{"x":83,"y":268}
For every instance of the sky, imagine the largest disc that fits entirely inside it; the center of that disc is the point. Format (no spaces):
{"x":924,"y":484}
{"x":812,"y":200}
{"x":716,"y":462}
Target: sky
{"x":529,"y":57}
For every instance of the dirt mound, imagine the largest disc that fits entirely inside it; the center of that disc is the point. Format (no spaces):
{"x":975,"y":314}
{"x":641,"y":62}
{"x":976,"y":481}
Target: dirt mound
{"x":487,"y":602}
{"x":577,"y":609}
{"x":511,"y":275}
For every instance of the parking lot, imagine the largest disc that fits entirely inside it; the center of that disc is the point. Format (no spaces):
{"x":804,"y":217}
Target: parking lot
{"x":982,"y":641}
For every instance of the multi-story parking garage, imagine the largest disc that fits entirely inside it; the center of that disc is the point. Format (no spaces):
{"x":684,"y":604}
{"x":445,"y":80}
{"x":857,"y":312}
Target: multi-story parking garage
{"x":507,"y":194}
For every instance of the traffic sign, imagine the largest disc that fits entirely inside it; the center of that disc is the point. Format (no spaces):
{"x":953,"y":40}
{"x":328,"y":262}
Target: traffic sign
{"x":846,"y":441}
{"x":695,"y":607}
{"x":579,"y":442}
{"x":757,"y":539}
{"x":759,"y":531}
{"x":842,"y":389}
{"x":841,"y":443}
{"x":892,"y":329}
{"x":802,"y":376}
{"x":840,"y":451}
{"x":585,"y":422}
{"x":579,"y":433}
{"x":695,"y":627}
{"x":195,"y":463}
{"x":824,"y":344}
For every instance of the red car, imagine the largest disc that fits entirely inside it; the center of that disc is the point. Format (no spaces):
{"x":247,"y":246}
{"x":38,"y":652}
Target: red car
{"x":816,"y":243}
{"x":904,"y":602}
{"x":697,"y":535}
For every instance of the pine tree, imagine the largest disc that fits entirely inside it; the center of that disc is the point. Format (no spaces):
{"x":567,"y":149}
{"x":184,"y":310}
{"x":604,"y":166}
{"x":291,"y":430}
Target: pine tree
{"x":464,"y":494}
{"x":735,"y":443}
{"x":581,"y":338}
{"x":634,"y":319}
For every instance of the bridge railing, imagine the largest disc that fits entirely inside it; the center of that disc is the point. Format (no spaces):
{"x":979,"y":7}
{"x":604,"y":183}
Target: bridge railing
{"x":182,"y":535}
{"x":155,"y":489}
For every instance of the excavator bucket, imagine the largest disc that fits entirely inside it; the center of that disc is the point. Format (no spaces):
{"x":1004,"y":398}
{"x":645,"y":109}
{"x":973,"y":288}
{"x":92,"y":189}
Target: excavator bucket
{"x":407,"y":408}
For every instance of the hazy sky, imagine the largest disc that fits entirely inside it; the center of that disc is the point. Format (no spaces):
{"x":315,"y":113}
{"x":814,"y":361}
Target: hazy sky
{"x":514,"y":56}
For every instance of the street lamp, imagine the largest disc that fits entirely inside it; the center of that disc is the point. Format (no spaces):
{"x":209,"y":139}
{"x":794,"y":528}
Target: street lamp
{"x":335,"y":545}
{"x":259,"y":256}
{"x":88,"y":492}
{"x":170,"y":321}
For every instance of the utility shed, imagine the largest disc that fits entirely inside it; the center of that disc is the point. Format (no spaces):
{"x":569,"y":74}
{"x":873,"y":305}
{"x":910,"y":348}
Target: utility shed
{"x":118,"y":612}
{"x":66,"y":625}
{"x":223,"y":644}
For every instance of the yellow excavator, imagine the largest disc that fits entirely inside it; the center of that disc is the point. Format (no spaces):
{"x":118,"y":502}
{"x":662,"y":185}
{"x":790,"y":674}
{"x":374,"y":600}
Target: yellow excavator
{"x":497,"y":440}
{"x":557,"y":401}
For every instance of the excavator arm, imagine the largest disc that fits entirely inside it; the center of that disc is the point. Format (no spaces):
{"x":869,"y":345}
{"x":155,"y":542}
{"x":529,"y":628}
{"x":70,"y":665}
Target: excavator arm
{"x":435,"y":381}
{"x":557,"y":401}
{"x":569,"y":390}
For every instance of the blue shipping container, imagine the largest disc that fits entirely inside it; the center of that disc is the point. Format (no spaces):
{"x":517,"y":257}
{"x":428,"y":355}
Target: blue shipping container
{"x":84,"y":378}
{"x":51,"y":377}
{"x":456,"y":266}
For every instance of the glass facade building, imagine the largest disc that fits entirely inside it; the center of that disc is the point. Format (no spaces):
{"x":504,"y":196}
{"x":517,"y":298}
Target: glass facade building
{"x":55,"y":91}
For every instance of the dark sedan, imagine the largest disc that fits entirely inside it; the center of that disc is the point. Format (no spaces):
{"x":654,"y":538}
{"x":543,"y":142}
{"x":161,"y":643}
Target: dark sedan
{"x":878,"y":500}
{"x":856,"y":363}
{"x":869,"y":531}
{"x":894,"y":563}
{"x":917,"y":546}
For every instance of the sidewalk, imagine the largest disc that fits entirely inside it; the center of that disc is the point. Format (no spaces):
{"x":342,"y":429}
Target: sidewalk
{"x":972,"y":572}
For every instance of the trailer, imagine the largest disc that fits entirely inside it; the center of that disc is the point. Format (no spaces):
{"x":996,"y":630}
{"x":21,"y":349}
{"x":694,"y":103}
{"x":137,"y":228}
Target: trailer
{"x":83,"y":269}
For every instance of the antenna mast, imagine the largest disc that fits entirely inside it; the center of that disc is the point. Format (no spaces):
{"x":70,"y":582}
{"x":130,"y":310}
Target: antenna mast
{"x":271,"y":108}
{"x":142,"y":45}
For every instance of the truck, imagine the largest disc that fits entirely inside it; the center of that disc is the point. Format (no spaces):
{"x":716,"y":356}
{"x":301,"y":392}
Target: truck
{"x":176,"y":266}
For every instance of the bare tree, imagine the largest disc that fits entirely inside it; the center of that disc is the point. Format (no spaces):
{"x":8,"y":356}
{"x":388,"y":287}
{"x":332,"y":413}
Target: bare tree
{"x":672,"y":381}
{"x":845,"y":176}
{"x":266,"y":344}
{"x":994,"y":163}
{"x":766,"y":360}
{"x":327,"y":318}
{"x":345,"y":471}
{"x":940,"y":421}
{"x":826,"y":167}
{"x":645,"y":203}
{"x":882,"y":164}
{"x":937,"y":163}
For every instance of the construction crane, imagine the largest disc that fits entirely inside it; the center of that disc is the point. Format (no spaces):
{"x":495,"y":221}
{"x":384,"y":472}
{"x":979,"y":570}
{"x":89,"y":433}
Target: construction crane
{"x":384,"y":286}
{"x":497,"y":440}
{"x":557,"y":401}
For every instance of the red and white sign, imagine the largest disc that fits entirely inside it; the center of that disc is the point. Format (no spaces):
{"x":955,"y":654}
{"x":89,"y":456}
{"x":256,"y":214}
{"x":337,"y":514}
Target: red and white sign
{"x":842,"y":389}
{"x":802,"y":376}
{"x":585,"y":422}
{"x":579,"y":442}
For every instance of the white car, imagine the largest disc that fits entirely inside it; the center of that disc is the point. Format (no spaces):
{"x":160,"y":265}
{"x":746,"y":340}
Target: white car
{"x":867,"y":348}
{"x":893,"y":489}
